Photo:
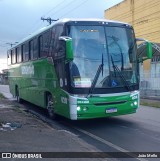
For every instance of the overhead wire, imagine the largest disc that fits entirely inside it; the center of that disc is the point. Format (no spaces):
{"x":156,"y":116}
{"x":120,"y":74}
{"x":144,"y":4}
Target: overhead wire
{"x":60,"y":9}
{"x":63,"y":7}
{"x":79,"y":5}
{"x":38,"y":22}
{"x":59,"y":4}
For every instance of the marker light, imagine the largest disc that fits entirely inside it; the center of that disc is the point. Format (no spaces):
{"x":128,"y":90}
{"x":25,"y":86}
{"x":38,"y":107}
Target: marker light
{"x":85,"y":108}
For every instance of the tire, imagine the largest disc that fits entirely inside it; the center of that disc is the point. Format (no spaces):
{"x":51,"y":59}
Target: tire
{"x":19,"y":100}
{"x":50,"y":107}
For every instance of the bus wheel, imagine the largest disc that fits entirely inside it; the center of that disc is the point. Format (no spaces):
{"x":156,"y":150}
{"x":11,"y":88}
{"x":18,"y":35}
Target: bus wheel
{"x":19,"y":100}
{"x":50,"y":107}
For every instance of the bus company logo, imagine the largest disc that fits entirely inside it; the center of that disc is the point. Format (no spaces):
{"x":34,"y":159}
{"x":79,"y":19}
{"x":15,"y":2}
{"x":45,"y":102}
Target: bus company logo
{"x":26,"y":70}
{"x":6,"y":155}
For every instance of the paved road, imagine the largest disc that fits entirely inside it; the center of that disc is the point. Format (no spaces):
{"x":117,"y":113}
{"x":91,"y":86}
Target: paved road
{"x":138,"y":132}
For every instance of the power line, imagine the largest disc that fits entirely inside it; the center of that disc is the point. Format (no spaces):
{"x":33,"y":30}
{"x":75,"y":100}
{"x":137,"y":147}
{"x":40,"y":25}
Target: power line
{"x":74,"y":8}
{"x":63,"y":7}
{"x":38,"y":22}
{"x":4,"y":46}
{"x":53,"y":8}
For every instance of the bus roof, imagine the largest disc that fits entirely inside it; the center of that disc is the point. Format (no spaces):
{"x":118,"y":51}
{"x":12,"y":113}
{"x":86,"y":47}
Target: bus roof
{"x":63,"y":21}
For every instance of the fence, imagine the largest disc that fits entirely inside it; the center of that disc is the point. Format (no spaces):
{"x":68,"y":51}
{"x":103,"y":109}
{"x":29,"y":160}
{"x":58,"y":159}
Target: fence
{"x":150,"y":85}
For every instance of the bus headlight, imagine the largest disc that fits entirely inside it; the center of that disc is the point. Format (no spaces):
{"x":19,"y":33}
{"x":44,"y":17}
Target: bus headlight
{"x":135,"y":103}
{"x":78,"y":108}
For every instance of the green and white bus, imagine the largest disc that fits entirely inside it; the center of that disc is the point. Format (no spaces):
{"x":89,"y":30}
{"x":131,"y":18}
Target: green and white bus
{"x":78,"y":68}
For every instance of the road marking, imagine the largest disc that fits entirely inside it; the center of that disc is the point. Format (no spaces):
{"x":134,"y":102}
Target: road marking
{"x":68,"y":132}
{"x":109,"y":144}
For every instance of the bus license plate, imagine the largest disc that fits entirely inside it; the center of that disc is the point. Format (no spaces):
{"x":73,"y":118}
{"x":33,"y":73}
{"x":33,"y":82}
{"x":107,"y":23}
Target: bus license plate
{"x":111,"y":110}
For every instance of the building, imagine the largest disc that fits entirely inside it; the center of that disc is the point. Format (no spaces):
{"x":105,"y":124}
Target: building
{"x":144,"y":16}
{"x":4,"y":76}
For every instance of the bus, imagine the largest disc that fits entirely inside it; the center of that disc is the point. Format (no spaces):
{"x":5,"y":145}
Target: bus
{"x":78,"y":68}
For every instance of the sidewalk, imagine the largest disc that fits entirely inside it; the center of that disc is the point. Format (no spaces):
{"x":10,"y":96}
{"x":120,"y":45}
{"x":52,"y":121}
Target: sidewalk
{"x":22,"y":132}
{"x":4,"y":89}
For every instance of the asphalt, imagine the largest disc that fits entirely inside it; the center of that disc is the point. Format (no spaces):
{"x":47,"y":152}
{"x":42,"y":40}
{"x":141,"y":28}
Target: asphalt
{"x":22,"y":132}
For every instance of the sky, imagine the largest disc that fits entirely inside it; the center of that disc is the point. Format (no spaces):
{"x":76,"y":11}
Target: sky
{"x":19,"y":18}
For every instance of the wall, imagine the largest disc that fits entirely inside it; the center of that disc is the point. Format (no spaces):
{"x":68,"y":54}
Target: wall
{"x":144,"y":15}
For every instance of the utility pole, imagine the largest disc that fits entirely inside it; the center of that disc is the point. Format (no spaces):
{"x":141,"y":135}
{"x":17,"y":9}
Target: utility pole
{"x":49,"y":20}
{"x":11,"y":44}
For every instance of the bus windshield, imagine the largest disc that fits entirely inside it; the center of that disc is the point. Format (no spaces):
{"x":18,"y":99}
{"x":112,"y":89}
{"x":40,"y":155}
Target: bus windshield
{"x":115,"y":45}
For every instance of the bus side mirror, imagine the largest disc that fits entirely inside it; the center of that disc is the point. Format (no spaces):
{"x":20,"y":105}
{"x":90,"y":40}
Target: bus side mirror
{"x":145,"y":49}
{"x":69,"y":47}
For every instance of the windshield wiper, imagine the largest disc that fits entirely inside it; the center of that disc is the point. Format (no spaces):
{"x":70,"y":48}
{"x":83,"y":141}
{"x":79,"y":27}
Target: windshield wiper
{"x":100,"y":68}
{"x":116,"y":69}
{"x":115,"y":40}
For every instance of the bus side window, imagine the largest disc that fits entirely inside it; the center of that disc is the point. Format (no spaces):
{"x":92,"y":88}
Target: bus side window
{"x":23,"y":52}
{"x":51,"y":50}
{"x":40,"y":46}
{"x":58,"y":45}
{"x":31,"y":45}
{"x":18,"y":55}
{"x":13,"y":57}
{"x":9,"y":57}
{"x":46,"y":44}
{"x":26,"y":52}
{"x":35,"y":48}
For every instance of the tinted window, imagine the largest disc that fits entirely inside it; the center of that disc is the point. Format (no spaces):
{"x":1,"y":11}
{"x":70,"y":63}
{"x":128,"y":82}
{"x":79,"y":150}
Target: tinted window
{"x":51,"y":50}
{"x":31,"y":45}
{"x":23,"y":52}
{"x":59,"y":46}
{"x":26,"y":52}
{"x":9,"y":57}
{"x":13,"y":55}
{"x":46,"y":44}
{"x":18,"y":53}
{"x":41,"y":45}
{"x":35,"y":48}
